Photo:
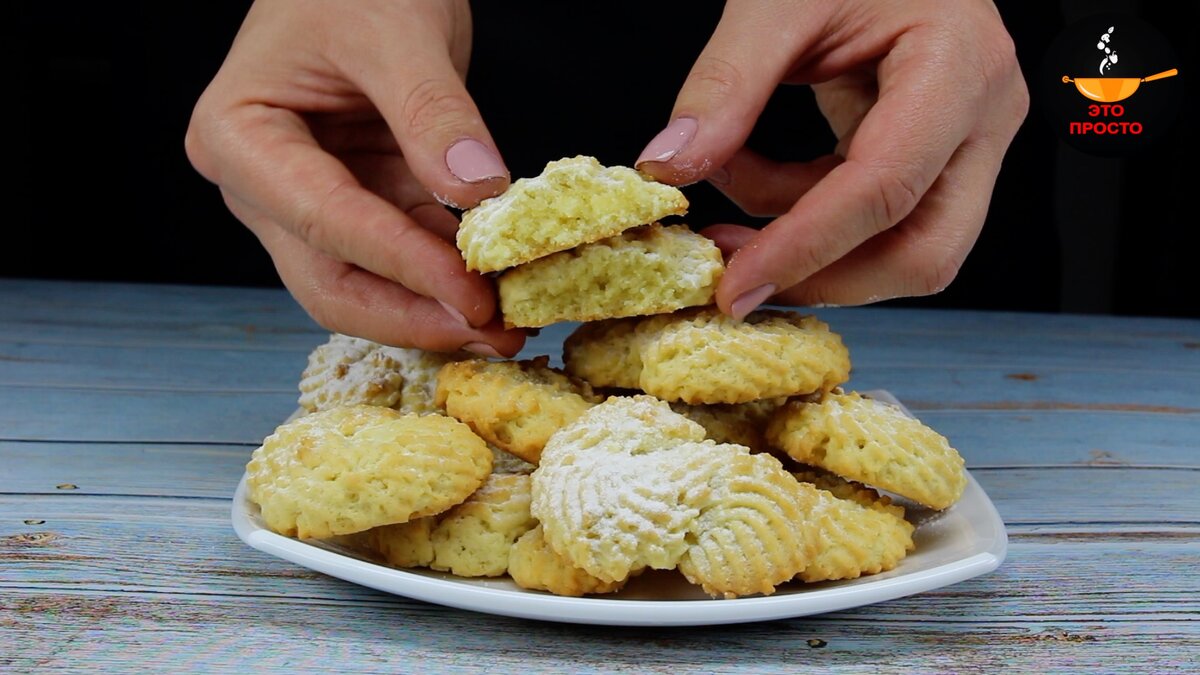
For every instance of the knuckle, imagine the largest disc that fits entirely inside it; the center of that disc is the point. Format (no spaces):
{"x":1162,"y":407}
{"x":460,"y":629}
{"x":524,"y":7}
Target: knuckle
{"x":312,"y":217}
{"x":929,"y":277}
{"x":719,"y":77}
{"x":432,"y":107}
{"x":896,"y":196}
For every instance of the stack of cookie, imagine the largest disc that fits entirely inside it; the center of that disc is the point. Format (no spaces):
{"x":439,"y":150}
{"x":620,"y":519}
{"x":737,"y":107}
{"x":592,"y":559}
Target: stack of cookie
{"x":675,"y":438}
{"x":581,"y":242}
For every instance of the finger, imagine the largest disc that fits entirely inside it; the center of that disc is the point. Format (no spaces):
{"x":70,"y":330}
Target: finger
{"x":922,"y":254}
{"x":763,"y":187}
{"x":896,"y":154}
{"x":750,"y":52}
{"x":350,"y":300}
{"x":272,"y":163}
{"x":389,"y":177}
{"x":418,"y":90}
{"x":729,"y":238}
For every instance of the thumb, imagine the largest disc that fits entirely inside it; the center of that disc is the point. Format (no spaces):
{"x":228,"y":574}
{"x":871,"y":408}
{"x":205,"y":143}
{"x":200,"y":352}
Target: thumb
{"x":445,"y":143}
{"x":749,"y":54}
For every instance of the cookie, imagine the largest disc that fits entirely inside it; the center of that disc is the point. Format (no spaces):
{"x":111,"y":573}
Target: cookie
{"x":400,"y":545}
{"x":609,"y":489}
{"x":474,"y":538}
{"x":574,"y":201}
{"x":704,"y":356}
{"x":646,"y":270}
{"x":352,"y":371}
{"x":872,"y":442}
{"x":631,"y":485}
{"x":857,"y":530}
{"x":514,"y":405}
{"x":350,"y":469}
{"x":534,"y":565}
{"x":739,"y":423}
{"x":753,"y":531}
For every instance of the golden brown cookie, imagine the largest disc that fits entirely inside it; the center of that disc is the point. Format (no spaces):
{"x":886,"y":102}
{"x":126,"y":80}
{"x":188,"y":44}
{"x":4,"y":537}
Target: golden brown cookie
{"x":848,"y":489}
{"x":609,"y":489}
{"x":514,"y":405}
{"x":873,"y":442}
{"x":704,"y":356}
{"x":752,"y":532}
{"x":474,"y":538}
{"x":534,"y":565}
{"x":400,"y":545}
{"x":574,"y":201}
{"x":857,"y":532}
{"x":350,"y":469}
{"x":351,"y":371}
{"x":630,"y":485}
{"x":646,"y":270}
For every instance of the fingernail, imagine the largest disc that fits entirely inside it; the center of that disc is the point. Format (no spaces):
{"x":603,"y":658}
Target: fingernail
{"x":669,"y":141}
{"x":748,"y":301}
{"x":719,"y":177}
{"x":458,"y":316}
{"x":473,"y":162}
{"x":482,"y":349}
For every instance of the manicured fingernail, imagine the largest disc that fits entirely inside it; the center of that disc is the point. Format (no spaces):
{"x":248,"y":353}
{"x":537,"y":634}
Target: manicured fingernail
{"x":669,"y":141}
{"x":748,"y":301}
{"x":719,"y":177}
{"x":458,"y":316}
{"x":482,"y":349}
{"x":473,"y":162}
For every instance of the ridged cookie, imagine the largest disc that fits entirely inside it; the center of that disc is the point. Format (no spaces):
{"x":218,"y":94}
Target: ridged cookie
{"x":574,"y":201}
{"x":630,"y":485}
{"x":704,"y":356}
{"x":352,"y":371}
{"x":872,"y":442}
{"x":350,"y":469}
{"x":515,"y":405}
{"x":753,"y":531}
{"x":646,"y":270}
{"x":609,"y":491}
{"x":534,"y":565}
{"x":857,"y":530}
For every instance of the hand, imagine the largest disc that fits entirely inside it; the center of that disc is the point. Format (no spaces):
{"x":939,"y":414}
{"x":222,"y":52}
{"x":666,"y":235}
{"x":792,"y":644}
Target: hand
{"x":333,"y":132}
{"x":924,"y":98}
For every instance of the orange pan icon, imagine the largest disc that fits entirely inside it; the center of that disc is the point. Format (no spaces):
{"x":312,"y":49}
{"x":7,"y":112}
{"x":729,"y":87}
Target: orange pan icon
{"x":1112,"y":89}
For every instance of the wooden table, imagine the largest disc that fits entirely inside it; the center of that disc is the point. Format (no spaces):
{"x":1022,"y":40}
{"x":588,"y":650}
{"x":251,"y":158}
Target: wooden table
{"x":127,"y":414}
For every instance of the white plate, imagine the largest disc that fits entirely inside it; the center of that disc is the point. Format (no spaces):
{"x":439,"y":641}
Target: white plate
{"x":964,"y":541}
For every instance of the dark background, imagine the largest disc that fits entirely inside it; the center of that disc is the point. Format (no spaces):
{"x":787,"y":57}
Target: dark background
{"x":98,"y":97}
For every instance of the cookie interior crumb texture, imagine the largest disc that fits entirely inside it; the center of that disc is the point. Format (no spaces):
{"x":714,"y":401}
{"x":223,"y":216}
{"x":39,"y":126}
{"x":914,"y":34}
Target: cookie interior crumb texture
{"x":646,"y":270}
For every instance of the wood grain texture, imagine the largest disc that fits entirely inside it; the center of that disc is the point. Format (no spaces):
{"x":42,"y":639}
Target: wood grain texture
{"x":127,"y":413}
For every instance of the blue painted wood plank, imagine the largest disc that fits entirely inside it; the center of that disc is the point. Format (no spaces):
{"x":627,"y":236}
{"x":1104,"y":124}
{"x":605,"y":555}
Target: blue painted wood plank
{"x":187,"y":546}
{"x":197,"y":633}
{"x":231,"y":369}
{"x":63,"y":414}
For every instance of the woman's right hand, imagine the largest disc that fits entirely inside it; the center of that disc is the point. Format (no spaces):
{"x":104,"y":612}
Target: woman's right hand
{"x":333,"y":131}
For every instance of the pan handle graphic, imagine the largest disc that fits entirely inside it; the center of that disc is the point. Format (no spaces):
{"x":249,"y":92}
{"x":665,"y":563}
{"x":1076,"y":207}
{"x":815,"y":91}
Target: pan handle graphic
{"x":1158,"y":76}
{"x":1066,"y":79}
